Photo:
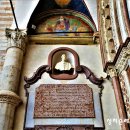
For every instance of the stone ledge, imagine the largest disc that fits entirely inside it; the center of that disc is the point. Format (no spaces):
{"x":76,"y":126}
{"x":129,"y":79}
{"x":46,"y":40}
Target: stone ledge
{"x":9,"y":97}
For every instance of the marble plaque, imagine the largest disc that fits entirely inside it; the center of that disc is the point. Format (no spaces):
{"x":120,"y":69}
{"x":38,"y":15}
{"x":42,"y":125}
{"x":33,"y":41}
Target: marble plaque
{"x":63,"y":100}
{"x":88,"y":127}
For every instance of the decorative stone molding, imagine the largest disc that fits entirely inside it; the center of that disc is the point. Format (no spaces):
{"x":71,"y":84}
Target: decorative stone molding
{"x":16,"y":38}
{"x":111,"y":71}
{"x":113,"y":25}
{"x":9,"y":97}
{"x":106,"y":33}
{"x":125,"y":95}
{"x":123,"y":59}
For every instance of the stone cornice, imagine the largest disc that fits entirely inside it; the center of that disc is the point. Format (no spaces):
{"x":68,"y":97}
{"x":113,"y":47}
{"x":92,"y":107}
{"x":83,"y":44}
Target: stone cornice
{"x":121,"y":56}
{"x":16,"y":38}
{"x":121,"y":63}
{"x":9,"y":97}
{"x":114,"y":25}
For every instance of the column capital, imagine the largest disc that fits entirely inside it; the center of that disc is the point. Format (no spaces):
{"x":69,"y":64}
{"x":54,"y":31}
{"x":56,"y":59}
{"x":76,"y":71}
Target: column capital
{"x":112,"y":71}
{"x":16,"y":38}
{"x":9,"y":97}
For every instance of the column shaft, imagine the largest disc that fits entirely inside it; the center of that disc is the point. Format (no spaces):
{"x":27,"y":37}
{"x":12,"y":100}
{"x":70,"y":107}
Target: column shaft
{"x":120,"y":103}
{"x":12,"y":69}
{"x":8,"y":110}
{"x":10,"y":79}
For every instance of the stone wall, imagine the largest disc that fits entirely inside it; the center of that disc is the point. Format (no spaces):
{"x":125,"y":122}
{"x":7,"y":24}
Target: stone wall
{"x":6,"y":18}
{"x":37,"y":55}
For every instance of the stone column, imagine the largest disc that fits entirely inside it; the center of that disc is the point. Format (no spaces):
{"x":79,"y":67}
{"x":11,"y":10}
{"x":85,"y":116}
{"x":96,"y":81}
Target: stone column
{"x":129,"y":62}
{"x":119,"y":100}
{"x":10,"y":78}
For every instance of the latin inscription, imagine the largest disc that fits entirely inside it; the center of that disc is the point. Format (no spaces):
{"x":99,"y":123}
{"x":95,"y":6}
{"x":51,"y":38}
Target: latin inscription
{"x":64,"y":101}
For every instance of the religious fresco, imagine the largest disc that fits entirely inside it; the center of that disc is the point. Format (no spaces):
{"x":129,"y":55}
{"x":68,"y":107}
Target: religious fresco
{"x":65,"y":26}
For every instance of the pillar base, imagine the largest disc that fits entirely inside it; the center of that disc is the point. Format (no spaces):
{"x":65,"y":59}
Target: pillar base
{"x":9,"y":97}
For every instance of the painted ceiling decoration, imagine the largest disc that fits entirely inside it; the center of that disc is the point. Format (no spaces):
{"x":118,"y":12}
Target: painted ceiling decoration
{"x":24,"y":12}
{"x":76,"y":5}
{"x":48,"y":8}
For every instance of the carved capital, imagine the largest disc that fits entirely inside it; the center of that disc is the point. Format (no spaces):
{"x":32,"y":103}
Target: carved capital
{"x":112,"y":71}
{"x":9,"y":97}
{"x":16,"y":38}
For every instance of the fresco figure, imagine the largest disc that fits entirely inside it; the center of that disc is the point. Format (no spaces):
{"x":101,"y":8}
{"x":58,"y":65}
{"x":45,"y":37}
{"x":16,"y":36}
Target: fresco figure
{"x":74,"y":29}
{"x":49,"y":28}
{"x":62,"y":25}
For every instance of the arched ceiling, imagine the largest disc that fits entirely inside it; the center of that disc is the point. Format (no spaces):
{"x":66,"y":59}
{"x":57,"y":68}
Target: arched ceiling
{"x":25,"y":8}
{"x":92,"y":6}
{"x":76,"y":5}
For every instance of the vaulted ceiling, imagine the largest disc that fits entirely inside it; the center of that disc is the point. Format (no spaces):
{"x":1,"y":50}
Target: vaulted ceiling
{"x":24,"y":9}
{"x":75,"y":5}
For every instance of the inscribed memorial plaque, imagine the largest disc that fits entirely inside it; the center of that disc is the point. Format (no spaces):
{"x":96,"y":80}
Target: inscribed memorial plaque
{"x":61,"y":100}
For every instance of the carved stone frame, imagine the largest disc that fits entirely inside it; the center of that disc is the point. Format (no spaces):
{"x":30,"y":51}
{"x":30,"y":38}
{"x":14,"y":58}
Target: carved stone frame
{"x":79,"y":69}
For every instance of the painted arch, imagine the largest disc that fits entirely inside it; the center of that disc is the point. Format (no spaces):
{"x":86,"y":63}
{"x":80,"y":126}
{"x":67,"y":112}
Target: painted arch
{"x":23,"y":14}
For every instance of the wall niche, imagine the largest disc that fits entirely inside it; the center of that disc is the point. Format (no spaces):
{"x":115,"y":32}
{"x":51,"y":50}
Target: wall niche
{"x":63,"y":62}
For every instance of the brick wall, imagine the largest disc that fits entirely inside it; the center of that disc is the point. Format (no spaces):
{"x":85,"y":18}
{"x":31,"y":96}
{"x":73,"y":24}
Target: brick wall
{"x":6,"y":18}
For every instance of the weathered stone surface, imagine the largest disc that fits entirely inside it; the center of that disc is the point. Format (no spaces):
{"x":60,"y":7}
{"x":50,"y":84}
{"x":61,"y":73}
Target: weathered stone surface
{"x":64,"y":101}
{"x":11,"y":69}
{"x":10,"y":80}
